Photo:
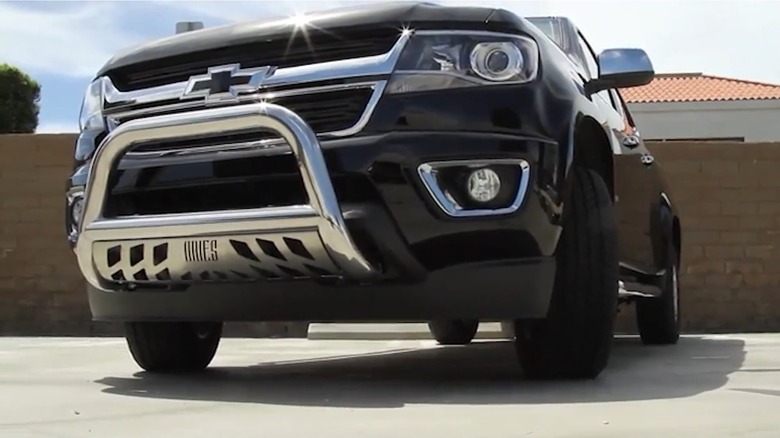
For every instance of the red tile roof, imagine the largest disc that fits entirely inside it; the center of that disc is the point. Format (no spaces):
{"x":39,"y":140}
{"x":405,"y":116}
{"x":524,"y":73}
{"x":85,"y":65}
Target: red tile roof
{"x":696,"y":87}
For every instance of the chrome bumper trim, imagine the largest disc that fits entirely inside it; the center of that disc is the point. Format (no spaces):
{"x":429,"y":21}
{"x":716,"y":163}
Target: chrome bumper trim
{"x":320,"y":223}
{"x":259,"y":146}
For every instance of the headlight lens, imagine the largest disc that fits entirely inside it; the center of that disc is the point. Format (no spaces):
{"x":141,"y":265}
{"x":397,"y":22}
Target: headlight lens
{"x":497,"y":61}
{"x":434,"y":61}
{"x":91,"y":117}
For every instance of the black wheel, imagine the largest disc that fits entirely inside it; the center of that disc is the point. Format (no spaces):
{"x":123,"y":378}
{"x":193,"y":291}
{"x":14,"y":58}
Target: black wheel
{"x":658,"y":319}
{"x":575,"y":339}
{"x":170,"y":347}
{"x":455,"y":332}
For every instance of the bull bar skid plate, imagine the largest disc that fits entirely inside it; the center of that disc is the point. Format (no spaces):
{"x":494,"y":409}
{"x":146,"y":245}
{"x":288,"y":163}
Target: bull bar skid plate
{"x":250,"y":244}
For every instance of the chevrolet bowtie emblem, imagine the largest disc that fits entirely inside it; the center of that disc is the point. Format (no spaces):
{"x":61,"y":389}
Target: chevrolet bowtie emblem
{"x":226,"y":82}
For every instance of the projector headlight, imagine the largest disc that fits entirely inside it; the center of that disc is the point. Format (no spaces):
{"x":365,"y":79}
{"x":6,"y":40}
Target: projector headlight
{"x":91,"y":116}
{"x":91,"y":121}
{"x":439,"y":60}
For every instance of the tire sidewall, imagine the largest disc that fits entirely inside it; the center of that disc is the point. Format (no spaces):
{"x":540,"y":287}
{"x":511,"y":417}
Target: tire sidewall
{"x":671,"y":290}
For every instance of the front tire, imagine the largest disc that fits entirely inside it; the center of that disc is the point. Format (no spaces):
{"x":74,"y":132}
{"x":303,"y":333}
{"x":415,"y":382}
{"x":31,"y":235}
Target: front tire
{"x":575,"y":340}
{"x":455,"y":332}
{"x":173,"y":347}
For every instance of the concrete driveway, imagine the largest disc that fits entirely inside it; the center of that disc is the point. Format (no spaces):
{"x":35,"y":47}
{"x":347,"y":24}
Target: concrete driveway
{"x":707,"y":386}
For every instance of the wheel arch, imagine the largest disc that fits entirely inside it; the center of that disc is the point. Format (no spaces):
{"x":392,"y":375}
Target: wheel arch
{"x":592,"y":149}
{"x":676,"y":229}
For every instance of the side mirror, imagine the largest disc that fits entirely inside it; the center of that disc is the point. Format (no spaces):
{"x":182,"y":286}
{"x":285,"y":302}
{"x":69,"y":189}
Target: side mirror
{"x":622,"y":68}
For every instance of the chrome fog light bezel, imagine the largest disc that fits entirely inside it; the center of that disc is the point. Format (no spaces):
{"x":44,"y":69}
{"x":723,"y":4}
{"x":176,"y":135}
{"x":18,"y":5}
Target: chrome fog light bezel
{"x":428,"y":173}
{"x":74,"y":197}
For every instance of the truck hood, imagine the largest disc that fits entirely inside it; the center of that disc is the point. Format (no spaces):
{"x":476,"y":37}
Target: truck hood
{"x":415,"y":15}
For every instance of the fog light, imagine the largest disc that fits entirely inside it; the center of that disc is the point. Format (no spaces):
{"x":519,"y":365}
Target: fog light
{"x":484,"y":185}
{"x":77,"y":210}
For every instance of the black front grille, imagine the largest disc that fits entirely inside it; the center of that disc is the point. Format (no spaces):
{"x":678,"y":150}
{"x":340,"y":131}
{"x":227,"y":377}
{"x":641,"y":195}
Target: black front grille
{"x":220,"y":185}
{"x":285,"y":51}
{"x":323,"y":112}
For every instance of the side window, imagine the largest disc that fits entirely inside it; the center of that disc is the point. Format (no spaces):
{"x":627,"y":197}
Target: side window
{"x":592,"y":65}
{"x":622,"y":109}
{"x":617,"y":103}
{"x":626,"y":112}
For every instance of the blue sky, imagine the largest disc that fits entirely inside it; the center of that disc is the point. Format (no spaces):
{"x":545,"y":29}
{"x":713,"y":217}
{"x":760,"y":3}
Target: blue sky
{"x":62,"y":43}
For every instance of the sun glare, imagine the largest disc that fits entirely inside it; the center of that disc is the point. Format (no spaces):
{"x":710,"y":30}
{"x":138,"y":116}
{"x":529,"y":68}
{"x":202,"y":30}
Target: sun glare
{"x":299,"y":19}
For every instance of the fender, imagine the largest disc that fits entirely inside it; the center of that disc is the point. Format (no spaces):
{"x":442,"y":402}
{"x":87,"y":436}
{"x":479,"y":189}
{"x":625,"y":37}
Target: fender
{"x":587,"y":143}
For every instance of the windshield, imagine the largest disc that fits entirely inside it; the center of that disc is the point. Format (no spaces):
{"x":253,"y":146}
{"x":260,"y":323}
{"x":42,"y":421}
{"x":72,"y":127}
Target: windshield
{"x":550,"y":26}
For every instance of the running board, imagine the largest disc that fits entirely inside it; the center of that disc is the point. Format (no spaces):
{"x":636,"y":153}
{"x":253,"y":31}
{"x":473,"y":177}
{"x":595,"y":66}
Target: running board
{"x":631,"y":290}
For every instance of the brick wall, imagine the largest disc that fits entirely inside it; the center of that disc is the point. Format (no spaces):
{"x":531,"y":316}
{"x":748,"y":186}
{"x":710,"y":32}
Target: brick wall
{"x":40,"y":288}
{"x":728,"y":195}
{"x":729,"y":201}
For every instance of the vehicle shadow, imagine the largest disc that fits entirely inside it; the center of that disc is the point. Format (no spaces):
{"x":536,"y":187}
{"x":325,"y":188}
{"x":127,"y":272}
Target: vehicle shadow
{"x":481,"y":373}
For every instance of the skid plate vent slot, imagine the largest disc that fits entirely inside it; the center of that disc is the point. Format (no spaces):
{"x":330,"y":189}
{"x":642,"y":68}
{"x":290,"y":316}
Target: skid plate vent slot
{"x":296,"y":255}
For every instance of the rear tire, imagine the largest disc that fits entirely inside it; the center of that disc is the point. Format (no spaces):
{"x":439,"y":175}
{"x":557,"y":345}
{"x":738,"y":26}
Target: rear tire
{"x":173,"y":347}
{"x":454,"y":332}
{"x":575,"y":340}
{"x":658,"y":319}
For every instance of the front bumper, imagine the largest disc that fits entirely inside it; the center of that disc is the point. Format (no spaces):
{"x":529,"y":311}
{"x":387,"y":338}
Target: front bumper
{"x":239,"y":245}
{"x":396,"y":254}
{"x":490,"y":291}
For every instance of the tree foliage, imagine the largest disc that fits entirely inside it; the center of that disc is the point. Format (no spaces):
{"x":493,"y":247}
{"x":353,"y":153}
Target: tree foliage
{"x":19,"y":101}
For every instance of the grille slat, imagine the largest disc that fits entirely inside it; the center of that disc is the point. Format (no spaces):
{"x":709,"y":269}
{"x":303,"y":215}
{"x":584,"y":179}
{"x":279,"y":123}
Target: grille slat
{"x":323,"y":112}
{"x":315,"y":47}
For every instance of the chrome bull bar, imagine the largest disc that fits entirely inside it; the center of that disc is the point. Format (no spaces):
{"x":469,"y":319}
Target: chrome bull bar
{"x":248,"y":244}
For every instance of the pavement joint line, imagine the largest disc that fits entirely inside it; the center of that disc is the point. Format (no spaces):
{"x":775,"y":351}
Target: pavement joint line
{"x":391,"y":331}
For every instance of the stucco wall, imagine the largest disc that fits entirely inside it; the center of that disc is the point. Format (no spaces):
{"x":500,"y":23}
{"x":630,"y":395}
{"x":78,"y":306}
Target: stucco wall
{"x":728,"y":194}
{"x":756,"y":121}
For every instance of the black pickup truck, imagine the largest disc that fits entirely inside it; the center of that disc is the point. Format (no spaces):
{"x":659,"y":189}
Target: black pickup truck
{"x":398,"y":162}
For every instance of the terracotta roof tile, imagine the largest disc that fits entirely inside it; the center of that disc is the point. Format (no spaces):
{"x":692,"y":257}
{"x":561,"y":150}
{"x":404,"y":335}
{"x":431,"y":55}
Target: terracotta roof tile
{"x":696,"y":87}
